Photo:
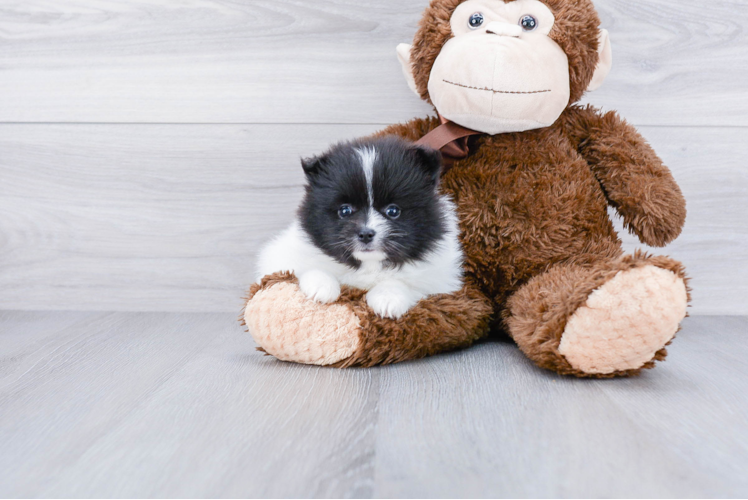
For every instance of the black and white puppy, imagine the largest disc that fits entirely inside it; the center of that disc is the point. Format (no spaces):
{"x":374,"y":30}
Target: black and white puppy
{"x":372,"y":218}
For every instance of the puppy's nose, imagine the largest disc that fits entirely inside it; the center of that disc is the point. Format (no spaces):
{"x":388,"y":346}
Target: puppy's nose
{"x":366,"y":235}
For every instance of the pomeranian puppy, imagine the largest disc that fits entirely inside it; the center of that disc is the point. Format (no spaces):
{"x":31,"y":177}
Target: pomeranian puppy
{"x":372,"y":218}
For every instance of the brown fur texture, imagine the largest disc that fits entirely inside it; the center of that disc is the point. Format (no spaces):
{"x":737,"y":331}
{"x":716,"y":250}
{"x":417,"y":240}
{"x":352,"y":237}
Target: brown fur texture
{"x":531,"y":201}
{"x":533,"y":208}
{"x":635,"y":181}
{"x":438,"y":323}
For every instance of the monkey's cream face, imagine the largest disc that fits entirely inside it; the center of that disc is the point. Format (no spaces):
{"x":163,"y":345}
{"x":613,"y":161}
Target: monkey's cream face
{"x":501,"y":72}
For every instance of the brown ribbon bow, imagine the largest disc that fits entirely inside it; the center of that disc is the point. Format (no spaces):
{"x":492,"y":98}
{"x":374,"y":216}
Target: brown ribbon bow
{"x":451,"y":139}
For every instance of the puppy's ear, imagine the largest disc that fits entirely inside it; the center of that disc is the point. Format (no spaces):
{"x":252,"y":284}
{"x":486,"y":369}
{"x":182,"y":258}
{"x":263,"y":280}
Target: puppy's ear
{"x":313,"y":167}
{"x":430,"y":161}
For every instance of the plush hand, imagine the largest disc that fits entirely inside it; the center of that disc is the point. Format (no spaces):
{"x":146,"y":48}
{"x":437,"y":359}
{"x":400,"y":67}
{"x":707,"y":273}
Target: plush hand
{"x":636,"y":183}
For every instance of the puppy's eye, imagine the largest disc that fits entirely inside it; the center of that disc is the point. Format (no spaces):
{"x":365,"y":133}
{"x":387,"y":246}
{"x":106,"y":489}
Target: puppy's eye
{"x":393,"y":211}
{"x":345,"y":211}
{"x":528,"y":23}
{"x":475,"y":21}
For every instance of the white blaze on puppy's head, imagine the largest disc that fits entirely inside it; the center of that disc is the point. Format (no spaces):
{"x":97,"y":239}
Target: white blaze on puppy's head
{"x":368,"y":156}
{"x":375,"y":227}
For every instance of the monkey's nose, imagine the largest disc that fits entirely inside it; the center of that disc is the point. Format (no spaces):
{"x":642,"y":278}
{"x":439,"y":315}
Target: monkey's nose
{"x":366,"y":235}
{"x":504,"y":29}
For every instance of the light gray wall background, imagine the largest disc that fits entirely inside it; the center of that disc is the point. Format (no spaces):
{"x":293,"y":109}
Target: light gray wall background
{"x":148,"y":147}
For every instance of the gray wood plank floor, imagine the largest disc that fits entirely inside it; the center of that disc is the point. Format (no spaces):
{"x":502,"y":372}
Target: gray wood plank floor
{"x":164,"y":404}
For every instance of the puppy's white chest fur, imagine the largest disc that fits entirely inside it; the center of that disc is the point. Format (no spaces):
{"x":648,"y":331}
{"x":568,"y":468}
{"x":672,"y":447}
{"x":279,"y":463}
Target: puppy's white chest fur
{"x":366,"y":276}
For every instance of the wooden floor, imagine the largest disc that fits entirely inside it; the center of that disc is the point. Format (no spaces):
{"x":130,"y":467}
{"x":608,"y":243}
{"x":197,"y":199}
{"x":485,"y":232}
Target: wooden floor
{"x":180,"y":405}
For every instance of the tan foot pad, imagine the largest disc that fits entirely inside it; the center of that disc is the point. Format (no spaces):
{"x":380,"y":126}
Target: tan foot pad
{"x":293,"y":328}
{"x":626,"y":321}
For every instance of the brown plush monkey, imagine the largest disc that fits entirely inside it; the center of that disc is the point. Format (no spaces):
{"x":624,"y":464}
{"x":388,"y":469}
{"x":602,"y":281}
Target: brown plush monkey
{"x":543,"y":262}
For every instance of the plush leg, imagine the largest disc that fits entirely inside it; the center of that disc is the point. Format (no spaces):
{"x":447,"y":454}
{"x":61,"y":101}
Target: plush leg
{"x":347,"y":332}
{"x":612,"y":318}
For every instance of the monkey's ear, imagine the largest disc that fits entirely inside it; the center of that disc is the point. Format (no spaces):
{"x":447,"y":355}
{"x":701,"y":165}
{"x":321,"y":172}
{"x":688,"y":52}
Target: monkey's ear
{"x":430,"y":161}
{"x":403,"y":55}
{"x":604,"y":61}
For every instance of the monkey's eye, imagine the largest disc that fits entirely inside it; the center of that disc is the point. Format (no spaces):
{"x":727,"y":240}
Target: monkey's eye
{"x":475,"y":21}
{"x":528,"y":23}
{"x":392,"y":211}
{"x":345,"y":211}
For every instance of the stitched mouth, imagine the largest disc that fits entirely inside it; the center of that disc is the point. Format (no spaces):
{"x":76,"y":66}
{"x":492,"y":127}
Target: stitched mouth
{"x":496,"y":91}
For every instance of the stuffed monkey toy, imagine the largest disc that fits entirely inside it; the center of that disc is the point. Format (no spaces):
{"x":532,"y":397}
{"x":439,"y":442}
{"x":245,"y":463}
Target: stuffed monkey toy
{"x":543,"y":262}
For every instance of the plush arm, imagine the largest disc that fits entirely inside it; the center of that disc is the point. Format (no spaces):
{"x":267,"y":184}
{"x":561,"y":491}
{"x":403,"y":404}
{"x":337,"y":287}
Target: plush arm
{"x":634,"y":179}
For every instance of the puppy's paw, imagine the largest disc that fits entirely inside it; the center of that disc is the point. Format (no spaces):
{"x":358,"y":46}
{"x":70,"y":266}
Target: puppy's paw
{"x":391,"y":299}
{"x":320,"y":286}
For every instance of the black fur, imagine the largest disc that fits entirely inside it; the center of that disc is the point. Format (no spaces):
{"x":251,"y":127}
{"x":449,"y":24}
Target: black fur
{"x":404,"y":175}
